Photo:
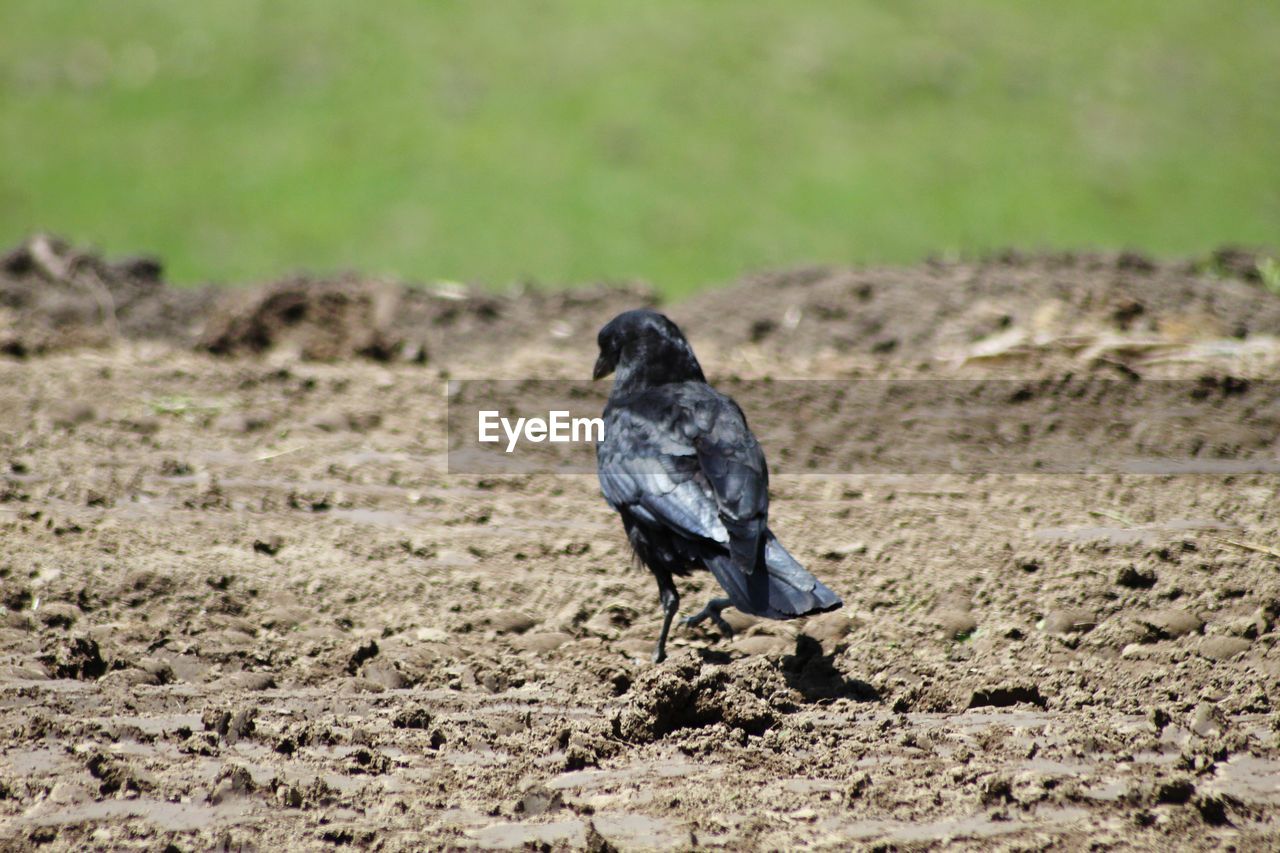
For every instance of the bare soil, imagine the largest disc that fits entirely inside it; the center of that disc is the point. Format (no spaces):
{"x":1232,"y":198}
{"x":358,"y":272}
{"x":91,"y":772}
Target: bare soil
{"x":243,"y":605}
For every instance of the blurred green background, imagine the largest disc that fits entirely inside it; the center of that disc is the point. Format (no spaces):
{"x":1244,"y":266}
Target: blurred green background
{"x":680,"y":142}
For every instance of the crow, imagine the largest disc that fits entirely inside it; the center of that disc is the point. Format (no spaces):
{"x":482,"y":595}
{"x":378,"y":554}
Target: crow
{"x":681,"y":467}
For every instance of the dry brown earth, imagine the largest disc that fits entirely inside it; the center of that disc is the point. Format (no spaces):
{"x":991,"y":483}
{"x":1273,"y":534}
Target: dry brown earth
{"x":245,"y":606}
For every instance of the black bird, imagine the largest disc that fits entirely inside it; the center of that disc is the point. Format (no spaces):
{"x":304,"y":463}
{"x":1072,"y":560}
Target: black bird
{"x":682,"y":468}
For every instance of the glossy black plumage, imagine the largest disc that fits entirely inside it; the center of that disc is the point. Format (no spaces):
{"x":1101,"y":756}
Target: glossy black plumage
{"x":683,"y":470}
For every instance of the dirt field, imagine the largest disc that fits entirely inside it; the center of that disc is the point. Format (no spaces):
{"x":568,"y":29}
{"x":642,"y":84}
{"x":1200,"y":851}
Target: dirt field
{"x":246,"y":607}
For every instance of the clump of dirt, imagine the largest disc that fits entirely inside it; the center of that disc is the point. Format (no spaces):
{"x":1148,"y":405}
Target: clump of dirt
{"x":1007,"y":695}
{"x":687,"y":694}
{"x":75,"y":657}
{"x":54,"y":296}
{"x":1232,"y":261}
{"x":323,"y":321}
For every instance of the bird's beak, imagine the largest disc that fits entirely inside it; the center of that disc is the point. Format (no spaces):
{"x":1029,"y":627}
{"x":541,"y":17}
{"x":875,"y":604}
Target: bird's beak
{"x":602,"y":369}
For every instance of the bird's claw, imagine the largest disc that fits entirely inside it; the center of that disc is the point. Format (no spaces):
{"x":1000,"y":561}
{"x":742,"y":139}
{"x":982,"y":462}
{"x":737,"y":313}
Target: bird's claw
{"x":712,"y":612}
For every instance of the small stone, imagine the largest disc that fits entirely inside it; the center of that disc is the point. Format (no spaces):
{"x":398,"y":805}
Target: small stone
{"x":1069,"y":622}
{"x":1207,"y":721}
{"x":538,"y":800}
{"x":65,"y":792}
{"x":830,"y":629}
{"x":857,"y":787}
{"x":956,"y":624}
{"x":506,"y":621}
{"x":158,"y":669}
{"x":738,"y":620}
{"x":1171,"y":624}
{"x":1135,"y":651}
{"x":1223,"y":648}
{"x":384,"y":672}
{"x":252,"y":681}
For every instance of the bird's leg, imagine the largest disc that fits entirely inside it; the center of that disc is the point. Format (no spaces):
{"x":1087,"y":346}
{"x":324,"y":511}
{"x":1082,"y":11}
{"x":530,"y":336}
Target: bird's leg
{"x":712,"y":612}
{"x":670,"y":598}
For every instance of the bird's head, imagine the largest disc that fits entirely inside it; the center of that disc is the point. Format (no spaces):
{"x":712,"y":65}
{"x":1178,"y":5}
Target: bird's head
{"x":645,"y":348}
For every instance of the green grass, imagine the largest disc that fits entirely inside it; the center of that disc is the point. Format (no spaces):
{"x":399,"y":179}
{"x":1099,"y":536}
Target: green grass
{"x":1269,"y":271}
{"x":679,"y":142}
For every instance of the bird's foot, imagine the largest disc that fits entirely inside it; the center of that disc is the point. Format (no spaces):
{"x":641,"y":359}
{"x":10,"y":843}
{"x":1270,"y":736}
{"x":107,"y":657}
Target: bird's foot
{"x":712,"y":612}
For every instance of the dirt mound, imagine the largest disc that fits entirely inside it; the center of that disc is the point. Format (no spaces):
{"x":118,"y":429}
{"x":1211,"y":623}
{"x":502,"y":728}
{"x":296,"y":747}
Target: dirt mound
{"x":332,"y":319}
{"x":940,"y":306}
{"x":687,"y":694}
{"x":53,"y":297}
{"x":322,"y":321}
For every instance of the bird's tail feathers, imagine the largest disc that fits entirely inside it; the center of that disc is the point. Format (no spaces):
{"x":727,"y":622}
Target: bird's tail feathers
{"x":785,"y":590}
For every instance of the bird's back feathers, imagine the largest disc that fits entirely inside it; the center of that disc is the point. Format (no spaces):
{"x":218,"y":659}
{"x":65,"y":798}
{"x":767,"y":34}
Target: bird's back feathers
{"x":681,"y":465}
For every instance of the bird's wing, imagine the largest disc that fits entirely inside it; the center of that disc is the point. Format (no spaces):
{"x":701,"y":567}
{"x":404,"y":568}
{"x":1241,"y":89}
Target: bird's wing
{"x":651,"y":472}
{"x":689,"y":462}
{"x":734,"y":466}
